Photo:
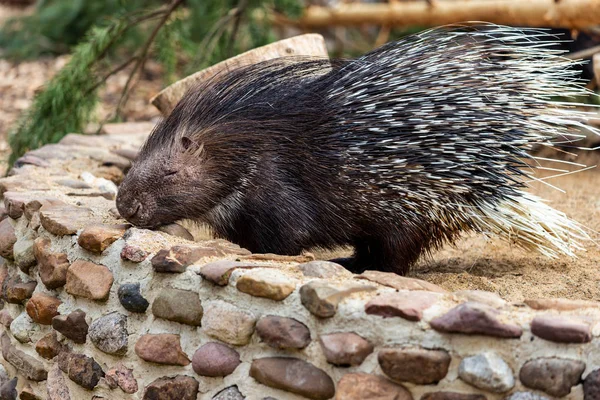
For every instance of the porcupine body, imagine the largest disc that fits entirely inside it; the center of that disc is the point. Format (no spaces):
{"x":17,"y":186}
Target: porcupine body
{"x":394,"y":153}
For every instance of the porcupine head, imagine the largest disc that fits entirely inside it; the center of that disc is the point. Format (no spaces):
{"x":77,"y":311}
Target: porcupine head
{"x":394,"y":153}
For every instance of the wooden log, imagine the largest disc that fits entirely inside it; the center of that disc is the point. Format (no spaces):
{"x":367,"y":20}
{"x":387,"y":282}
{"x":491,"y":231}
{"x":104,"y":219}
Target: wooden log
{"x":532,"y":13}
{"x":306,"y":45}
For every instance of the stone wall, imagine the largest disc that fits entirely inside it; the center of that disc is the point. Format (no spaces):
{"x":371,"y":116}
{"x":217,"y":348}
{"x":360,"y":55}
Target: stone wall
{"x":96,"y":309}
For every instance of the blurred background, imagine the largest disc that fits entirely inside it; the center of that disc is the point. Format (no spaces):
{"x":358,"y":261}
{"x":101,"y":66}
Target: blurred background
{"x":72,"y":65}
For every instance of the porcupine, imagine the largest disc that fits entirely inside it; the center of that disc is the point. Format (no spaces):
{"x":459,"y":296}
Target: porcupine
{"x":395,"y":153}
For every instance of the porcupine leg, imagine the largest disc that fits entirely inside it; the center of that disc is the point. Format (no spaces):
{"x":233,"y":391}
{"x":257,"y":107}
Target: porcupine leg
{"x":381,"y":254}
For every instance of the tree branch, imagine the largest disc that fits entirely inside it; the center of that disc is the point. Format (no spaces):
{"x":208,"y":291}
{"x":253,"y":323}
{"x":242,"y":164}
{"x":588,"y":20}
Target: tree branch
{"x":535,"y":13}
{"x":143,"y":56}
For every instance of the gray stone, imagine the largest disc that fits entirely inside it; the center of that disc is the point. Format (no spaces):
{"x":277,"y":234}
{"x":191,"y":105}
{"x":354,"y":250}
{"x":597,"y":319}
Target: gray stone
{"x":56,"y":385}
{"x":177,"y":305}
{"x":526,"y":396}
{"x":23,"y":253}
{"x":228,"y":323}
{"x":23,"y":328}
{"x":230,"y":393}
{"x":487,"y":371}
{"x":131,"y":298}
{"x":591,"y":385}
{"x":109,"y":333}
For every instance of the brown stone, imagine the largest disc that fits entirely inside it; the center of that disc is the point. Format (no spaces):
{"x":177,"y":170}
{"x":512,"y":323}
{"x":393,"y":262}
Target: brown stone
{"x":406,"y":304}
{"x":301,"y":258}
{"x":25,"y":364}
{"x":28,"y":394}
{"x":322,"y":298}
{"x":89,"y":280}
{"x":122,"y":377}
{"x":81,"y":369}
{"x":177,"y":258}
{"x":561,"y":329}
{"x":179,"y":387}
{"x":15,"y":291}
{"x":161,"y":349}
{"x":323,"y":270}
{"x":452,"y":396}
{"x":5,"y":318}
{"x":271,"y":284}
{"x":215,"y":359}
{"x":56,"y":385}
{"x":283,"y":373}
{"x":7,"y":238}
{"x":72,"y":325}
{"x":14,"y":202}
{"x":177,"y":230}
{"x":399,"y":282}
{"x":177,"y":305}
{"x":282,"y":332}
{"x":34,"y":205}
{"x":360,"y":386}
{"x":52,"y":266}
{"x":345,"y":348}
{"x":49,"y":346}
{"x":65,"y":219}
{"x":591,"y":385}
{"x":559,"y":304}
{"x":228,"y":323}
{"x":555,"y":376}
{"x":415,"y":365}
{"x":96,"y":238}
{"x":42,"y":308}
{"x":133,"y":253}
{"x":475,"y":319}
{"x":219,"y":272}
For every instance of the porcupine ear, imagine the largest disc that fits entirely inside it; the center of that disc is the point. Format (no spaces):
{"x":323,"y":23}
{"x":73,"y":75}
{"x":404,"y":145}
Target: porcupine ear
{"x":190,"y":146}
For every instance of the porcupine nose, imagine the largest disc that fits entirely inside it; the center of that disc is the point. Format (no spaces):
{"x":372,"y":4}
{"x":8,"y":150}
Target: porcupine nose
{"x":130,"y":209}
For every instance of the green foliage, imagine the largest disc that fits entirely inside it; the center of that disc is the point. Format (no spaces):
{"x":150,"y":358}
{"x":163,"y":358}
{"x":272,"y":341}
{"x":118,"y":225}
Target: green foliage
{"x":57,"y":25}
{"x":68,"y":100}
